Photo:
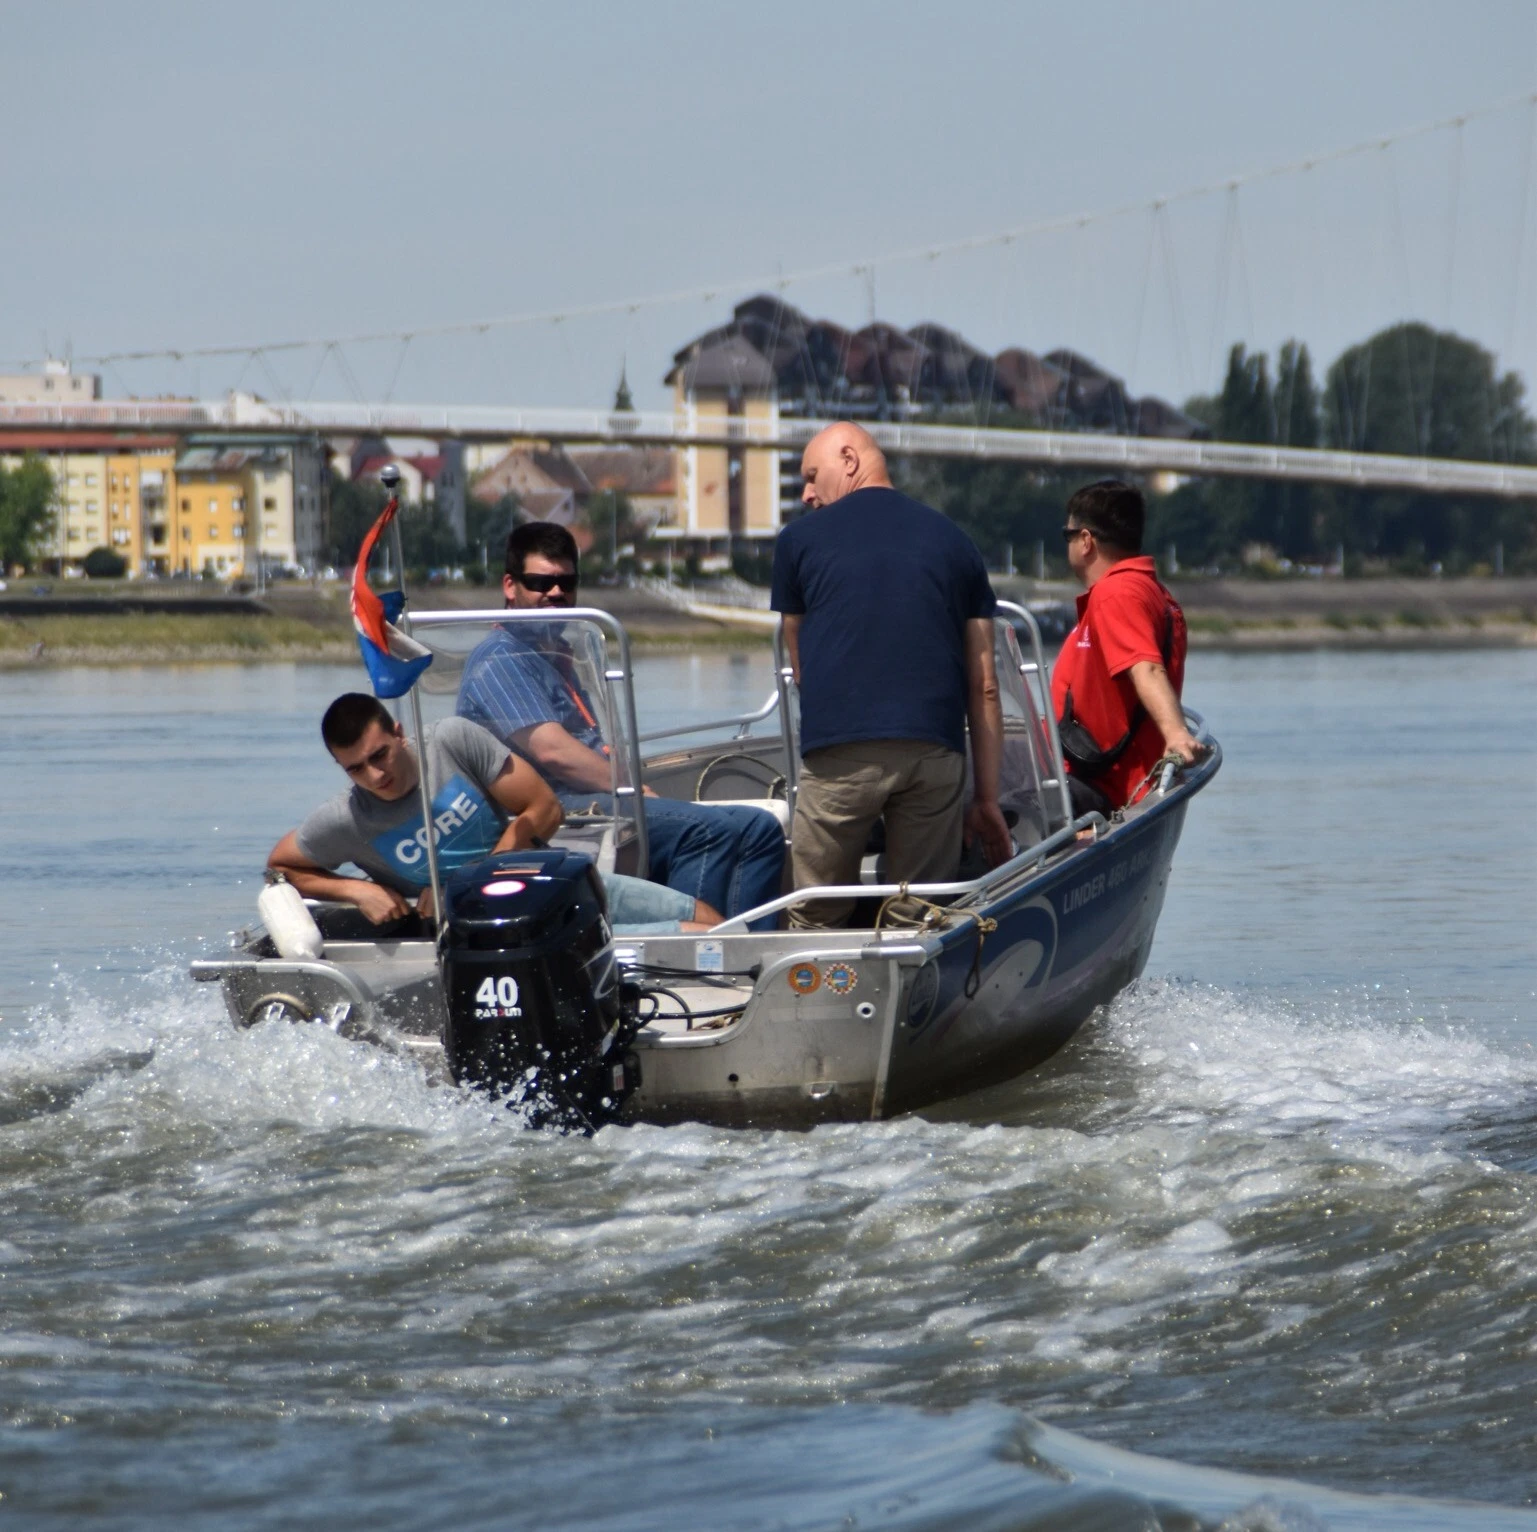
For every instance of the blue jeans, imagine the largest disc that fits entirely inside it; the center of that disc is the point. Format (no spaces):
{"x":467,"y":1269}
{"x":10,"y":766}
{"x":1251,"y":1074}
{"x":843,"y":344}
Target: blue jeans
{"x":639,"y":907}
{"x":731,"y":857}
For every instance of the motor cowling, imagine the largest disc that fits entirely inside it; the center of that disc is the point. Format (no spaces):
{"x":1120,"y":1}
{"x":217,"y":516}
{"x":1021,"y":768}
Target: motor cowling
{"x":534,"y":1005}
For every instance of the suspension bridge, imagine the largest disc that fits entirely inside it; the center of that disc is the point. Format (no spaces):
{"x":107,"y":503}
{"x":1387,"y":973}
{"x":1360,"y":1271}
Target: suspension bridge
{"x":247,"y":416}
{"x":1385,"y":240}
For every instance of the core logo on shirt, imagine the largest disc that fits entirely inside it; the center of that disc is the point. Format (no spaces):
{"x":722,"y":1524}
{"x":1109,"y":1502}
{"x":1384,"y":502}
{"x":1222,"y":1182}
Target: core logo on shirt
{"x":1084,"y":641}
{"x":466,"y":831}
{"x":458,"y":813}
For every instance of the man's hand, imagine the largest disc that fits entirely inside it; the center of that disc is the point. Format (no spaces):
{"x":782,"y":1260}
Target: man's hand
{"x":378,"y":903}
{"x":1185,"y":745}
{"x":985,"y":823}
{"x":424,"y":904}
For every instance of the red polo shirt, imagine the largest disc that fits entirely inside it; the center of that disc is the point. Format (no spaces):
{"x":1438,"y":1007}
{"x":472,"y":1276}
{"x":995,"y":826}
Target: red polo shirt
{"x":1123,"y":618}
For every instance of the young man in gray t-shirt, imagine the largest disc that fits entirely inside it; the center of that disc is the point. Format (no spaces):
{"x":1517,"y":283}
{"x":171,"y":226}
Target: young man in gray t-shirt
{"x":486,"y":799}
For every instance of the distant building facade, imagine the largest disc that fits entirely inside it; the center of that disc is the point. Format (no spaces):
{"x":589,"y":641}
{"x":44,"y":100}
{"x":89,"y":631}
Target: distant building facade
{"x":108,"y":493}
{"x":57,"y":383}
{"x":218,"y":508}
{"x":772,"y":362}
{"x":435,"y":479}
{"x":645,"y":476}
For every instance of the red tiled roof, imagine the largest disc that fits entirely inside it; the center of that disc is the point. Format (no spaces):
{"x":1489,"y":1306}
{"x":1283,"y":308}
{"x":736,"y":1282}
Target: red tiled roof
{"x":81,"y":441}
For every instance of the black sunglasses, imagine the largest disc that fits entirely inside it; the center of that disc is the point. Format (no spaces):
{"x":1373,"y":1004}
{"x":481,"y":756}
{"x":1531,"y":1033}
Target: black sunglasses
{"x":1069,"y":533}
{"x":544,"y":584}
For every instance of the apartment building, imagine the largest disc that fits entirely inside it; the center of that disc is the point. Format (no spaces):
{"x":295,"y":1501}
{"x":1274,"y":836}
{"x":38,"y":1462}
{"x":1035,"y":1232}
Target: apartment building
{"x":207,"y":524}
{"x":724,"y":492}
{"x":57,"y":383}
{"x":240,"y":506}
{"x":108,"y":493}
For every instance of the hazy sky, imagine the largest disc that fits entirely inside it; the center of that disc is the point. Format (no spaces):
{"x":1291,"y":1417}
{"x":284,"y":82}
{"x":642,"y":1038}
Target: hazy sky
{"x":183,"y":174}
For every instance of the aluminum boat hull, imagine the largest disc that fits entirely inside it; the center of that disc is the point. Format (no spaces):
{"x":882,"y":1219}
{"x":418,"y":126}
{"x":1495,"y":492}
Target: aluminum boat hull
{"x":889,"y":1024}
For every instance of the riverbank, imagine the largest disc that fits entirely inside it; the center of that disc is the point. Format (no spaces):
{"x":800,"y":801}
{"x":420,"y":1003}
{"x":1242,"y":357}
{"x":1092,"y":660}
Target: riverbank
{"x":298,"y":623}
{"x":303,"y":623}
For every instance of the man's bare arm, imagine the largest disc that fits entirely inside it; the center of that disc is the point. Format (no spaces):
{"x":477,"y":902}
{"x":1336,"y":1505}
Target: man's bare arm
{"x":790,"y":626}
{"x":1156,"y":693}
{"x":534,"y":811}
{"x":376,"y":901}
{"x":558,"y":755}
{"x":984,"y":713}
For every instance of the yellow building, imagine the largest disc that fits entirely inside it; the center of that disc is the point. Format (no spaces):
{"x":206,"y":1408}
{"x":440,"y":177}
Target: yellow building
{"x":157,"y":490}
{"x":208,"y":522}
{"x":82,"y":481}
{"x":135,"y":522}
{"x":725,"y":491}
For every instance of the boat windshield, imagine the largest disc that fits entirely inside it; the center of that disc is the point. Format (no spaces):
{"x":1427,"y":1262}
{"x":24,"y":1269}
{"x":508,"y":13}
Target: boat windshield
{"x":512,"y":670}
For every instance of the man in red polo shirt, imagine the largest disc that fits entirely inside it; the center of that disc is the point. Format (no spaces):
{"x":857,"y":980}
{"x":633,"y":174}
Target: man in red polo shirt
{"x":1117,"y":681}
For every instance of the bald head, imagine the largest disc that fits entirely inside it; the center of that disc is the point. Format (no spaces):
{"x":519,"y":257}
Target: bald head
{"x":840,"y":460}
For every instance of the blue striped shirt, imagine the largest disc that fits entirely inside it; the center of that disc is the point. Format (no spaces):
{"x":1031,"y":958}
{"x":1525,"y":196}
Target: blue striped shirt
{"x":509,"y":686}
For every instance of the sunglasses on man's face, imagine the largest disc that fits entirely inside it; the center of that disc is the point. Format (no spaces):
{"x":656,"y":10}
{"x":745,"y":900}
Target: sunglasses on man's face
{"x":544,"y":584}
{"x":1069,"y":533}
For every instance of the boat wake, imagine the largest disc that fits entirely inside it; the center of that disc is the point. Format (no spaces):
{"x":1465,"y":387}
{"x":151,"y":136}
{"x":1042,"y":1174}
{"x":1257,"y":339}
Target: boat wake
{"x":1219,"y":1227}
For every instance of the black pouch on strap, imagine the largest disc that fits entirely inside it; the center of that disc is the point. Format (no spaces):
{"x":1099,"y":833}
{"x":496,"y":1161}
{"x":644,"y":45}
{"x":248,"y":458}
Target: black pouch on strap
{"x":1081,"y":750}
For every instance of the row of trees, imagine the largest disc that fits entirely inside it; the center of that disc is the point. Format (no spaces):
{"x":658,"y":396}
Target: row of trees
{"x":1410,"y":390}
{"x":428,"y":542}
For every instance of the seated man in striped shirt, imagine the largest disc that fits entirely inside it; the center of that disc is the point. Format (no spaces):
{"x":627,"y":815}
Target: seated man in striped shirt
{"x":525,"y":690}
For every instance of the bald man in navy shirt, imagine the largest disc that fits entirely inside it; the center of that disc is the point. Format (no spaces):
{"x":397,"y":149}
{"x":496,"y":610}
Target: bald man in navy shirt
{"x":888,"y":620}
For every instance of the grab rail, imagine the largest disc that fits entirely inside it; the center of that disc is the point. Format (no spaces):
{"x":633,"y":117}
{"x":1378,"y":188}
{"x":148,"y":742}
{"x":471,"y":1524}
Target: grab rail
{"x":548,"y":616}
{"x":784,"y":679}
{"x":1000,"y":875}
{"x":741,"y":723}
{"x":1038,"y":665}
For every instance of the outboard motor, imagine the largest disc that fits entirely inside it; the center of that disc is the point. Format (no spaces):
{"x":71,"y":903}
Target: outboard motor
{"x":534,"y":1006}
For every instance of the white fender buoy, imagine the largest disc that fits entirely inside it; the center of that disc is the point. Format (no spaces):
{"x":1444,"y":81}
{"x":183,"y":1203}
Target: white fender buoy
{"x":289,"y":922}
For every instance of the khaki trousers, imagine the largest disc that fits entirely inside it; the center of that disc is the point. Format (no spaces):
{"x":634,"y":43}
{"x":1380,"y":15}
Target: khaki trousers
{"x":918,"y":787}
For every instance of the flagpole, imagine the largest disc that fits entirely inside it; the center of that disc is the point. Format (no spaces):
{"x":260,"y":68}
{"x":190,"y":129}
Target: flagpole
{"x":389,"y":477}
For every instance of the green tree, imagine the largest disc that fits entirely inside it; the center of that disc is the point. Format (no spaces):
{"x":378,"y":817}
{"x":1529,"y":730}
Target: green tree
{"x":104,"y":564}
{"x":354,"y":507}
{"x":1416,"y":391}
{"x":486,"y":525}
{"x":1242,"y":510}
{"x":1300,"y":510}
{"x":26,"y":511}
{"x":999,"y":506}
{"x":613,"y":524}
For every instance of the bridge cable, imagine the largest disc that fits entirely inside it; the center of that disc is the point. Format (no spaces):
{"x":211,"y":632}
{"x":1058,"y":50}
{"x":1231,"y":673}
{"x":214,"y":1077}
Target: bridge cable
{"x":1455,"y":199}
{"x":926,"y":252}
{"x":1147,"y":272}
{"x":277,"y":383}
{"x":1176,"y":303}
{"x":400,"y":361}
{"x":1219,"y":287}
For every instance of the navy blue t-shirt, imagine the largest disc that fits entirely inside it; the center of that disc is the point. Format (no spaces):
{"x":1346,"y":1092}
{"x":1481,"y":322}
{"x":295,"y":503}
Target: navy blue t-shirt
{"x":884,"y":587}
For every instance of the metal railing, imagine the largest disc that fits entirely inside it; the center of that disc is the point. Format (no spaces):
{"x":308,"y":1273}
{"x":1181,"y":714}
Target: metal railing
{"x":784,"y":680}
{"x":628,"y":793}
{"x":1046,"y":718}
{"x":1064,"y":449}
{"x":993,"y":882}
{"x":742,"y":723}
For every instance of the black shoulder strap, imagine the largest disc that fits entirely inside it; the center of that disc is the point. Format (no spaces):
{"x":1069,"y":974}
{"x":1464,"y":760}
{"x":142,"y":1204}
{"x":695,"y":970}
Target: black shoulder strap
{"x":1079,"y":747}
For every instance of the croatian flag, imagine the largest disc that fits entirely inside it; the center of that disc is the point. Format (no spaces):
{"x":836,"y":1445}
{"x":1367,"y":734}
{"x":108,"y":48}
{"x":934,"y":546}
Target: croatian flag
{"x":394,"y":661}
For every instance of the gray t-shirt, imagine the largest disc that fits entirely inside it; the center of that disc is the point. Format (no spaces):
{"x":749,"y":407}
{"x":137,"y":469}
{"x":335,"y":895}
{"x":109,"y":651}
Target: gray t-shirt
{"x":387,"y":840}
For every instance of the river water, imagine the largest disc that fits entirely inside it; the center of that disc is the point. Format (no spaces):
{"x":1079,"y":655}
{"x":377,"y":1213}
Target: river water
{"x":1258,"y":1249}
